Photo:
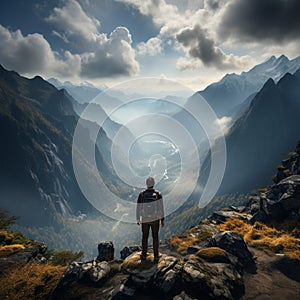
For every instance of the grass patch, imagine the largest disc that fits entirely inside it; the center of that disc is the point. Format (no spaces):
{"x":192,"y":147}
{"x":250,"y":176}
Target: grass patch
{"x":265,"y":237}
{"x":213,"y":254}
{"x":10,"y":249}
{"x":32,"y":281}
{"x":181,"y":244}
{"x":189,"y":238}
{"x":134,"y":262}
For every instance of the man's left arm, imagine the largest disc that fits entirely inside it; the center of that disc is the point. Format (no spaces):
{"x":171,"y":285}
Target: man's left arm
{"x":138,"y":209}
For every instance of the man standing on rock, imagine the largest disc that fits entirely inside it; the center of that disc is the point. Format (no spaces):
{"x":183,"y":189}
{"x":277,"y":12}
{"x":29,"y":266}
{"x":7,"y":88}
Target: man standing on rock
{"x":150,"y":214}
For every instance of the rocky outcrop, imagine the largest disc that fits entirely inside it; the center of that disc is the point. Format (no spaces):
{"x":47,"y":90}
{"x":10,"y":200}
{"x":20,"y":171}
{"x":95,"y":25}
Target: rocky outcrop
{"x":105,"y":251}
{"x":192,"y":276}
{"x":290,"y":166}
{"x":93,"y":271}
{"x":22,"y":257}
{"x":280,"y":202}
{"x":234,"y":244}
{"x":210,"y":273}
{"x":211,"y":280}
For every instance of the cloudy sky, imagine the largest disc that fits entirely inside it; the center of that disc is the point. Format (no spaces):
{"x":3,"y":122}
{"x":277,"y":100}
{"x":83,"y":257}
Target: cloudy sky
{"x":109,"y":41}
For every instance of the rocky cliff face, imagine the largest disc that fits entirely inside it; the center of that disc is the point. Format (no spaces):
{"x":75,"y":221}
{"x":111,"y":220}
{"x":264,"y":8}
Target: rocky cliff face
{"x":36,"y":129}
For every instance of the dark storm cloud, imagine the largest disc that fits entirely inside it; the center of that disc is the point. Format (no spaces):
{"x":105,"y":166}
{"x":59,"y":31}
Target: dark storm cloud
{"x":274,"y":20}
{"x":200,"y":46}
{"x":212,"y":4}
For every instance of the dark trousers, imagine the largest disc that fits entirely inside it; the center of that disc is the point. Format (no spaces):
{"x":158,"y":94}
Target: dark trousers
{"x":154,"y":229}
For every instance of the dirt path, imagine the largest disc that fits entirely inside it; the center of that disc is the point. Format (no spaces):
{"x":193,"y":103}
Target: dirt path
{"x":269,"y":282}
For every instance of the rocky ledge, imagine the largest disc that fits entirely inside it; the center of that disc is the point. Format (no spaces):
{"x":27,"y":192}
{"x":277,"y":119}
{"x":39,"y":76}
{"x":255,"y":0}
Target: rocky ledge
{"x":213,"y":271}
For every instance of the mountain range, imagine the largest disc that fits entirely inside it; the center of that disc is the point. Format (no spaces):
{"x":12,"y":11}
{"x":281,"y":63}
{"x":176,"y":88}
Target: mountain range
{"x":83,"y":93}
{"x":232,"y":90}
{"x":38,"y":121}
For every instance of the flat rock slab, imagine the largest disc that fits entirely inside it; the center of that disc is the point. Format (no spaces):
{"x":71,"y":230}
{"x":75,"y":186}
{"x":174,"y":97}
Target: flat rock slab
{"x":142,"y":272}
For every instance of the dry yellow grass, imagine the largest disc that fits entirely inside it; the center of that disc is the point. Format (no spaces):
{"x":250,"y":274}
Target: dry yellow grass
{"x":182,"y":244}
{"x":265,"y":237}
{"x":32,"y":281}
{"x":189,"y":238}
{"x":211,"y":252}
{"x":134,"y":262}
{"x":10,"y":249}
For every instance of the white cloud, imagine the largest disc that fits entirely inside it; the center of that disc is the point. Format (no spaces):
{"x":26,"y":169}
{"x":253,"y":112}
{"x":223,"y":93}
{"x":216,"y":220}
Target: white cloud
{"x":32,"y":54}
{"x":159,"y":10}
{"x":73,"y":21}
{"x":185,"y":63}
{"x":152,"y":47}
{"x":224,"y":123}
{"x":192,"y":25}
{"x":113,"y":57}
{"x":101,"y":55}
{"x":98,"y":55}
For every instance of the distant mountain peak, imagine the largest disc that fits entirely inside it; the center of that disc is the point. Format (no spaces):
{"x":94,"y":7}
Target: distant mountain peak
{"x":233,"y":89}
{"x":270,"y":59}
{"x":282,"y":57}
{"x":269,"y":83}
{"x":39,"y":79}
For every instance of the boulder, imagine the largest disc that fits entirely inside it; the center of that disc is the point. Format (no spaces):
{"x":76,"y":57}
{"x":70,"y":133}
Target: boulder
{"x":234,"y":244}
{"x":168,"y":279}
{"x":128,"y":250}
{"x":93,"y":271}
{"x":105,"y":251}
{"x":212,"y":280}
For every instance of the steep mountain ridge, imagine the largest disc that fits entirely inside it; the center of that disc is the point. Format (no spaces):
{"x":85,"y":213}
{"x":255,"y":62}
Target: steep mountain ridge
{"x":262,"y":135}
{"x":37,"y":124}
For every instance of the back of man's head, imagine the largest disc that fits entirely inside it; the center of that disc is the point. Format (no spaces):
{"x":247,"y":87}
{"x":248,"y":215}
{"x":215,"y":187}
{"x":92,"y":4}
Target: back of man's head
{"x":150,"y":182}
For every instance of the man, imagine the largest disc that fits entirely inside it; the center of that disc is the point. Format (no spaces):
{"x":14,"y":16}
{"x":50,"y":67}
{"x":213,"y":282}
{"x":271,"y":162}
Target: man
{"x":150,"y":214}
